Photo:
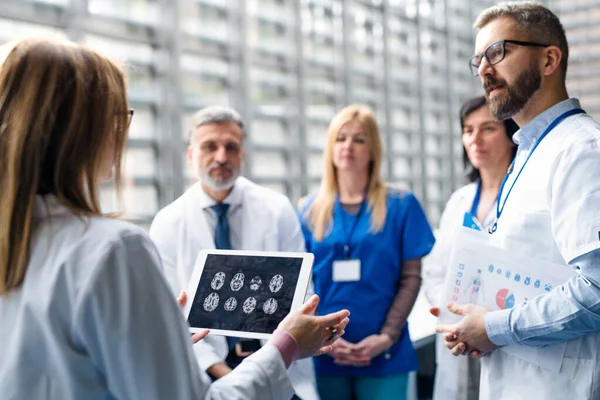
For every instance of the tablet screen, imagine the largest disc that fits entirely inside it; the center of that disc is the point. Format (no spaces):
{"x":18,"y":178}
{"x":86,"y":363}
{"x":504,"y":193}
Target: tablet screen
{"x":244,"y":293}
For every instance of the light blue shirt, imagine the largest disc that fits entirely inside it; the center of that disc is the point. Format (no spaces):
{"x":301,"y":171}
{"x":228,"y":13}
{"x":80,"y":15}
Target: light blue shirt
{"x":573,"y":310}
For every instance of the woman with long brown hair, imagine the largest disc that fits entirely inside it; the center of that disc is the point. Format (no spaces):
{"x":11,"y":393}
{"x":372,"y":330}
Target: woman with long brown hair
{"x":368,"y":239}
{"x":84,"y":310}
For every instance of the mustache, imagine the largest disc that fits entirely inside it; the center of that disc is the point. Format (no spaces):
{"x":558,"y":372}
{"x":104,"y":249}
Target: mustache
{"x":491,"y":81}
{"x":220,"y":165}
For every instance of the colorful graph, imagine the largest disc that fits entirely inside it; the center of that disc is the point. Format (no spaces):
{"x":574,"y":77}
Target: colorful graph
{"x":505,"y":299}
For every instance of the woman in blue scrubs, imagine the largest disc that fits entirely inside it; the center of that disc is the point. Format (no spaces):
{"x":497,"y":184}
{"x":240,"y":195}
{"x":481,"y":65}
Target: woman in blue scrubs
{"x":487,"y":152}
{"x":368,"y":239}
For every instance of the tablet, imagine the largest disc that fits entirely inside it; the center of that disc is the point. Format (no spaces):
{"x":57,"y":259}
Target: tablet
{"x":245,"y":293}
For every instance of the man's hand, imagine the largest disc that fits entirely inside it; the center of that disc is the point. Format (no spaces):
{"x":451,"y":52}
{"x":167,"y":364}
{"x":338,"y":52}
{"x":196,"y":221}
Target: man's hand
{"x":314,"y":333}
{"x":469,"y":335}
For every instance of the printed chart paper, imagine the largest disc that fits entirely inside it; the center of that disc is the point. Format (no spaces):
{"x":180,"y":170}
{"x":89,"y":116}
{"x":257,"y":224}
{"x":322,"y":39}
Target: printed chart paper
{"x":497,"y":279}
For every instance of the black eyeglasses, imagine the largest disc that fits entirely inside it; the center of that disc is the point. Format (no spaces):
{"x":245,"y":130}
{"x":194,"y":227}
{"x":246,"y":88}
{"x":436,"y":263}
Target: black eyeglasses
{"x":495,"y":52}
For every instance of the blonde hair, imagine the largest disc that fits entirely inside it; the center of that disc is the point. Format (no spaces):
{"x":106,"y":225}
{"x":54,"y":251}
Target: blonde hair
{"x":62,"y":108}
{"x":321,"y":211}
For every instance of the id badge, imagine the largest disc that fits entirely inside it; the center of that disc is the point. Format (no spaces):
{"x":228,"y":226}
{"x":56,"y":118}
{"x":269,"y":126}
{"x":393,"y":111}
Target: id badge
{"x":469,"y":221}
{"x":346,"y":270}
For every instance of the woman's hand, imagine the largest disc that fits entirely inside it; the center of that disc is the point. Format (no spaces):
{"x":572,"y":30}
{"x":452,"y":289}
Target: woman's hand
{"x":314,"y":333}
{"x":360,"y":354}
{"x":374,"y":345}
{"x":344,"y":353}
{"x":198,"y":336}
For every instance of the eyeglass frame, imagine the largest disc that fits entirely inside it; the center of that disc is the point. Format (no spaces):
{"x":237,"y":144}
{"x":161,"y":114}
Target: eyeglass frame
{"x":482,"y":55}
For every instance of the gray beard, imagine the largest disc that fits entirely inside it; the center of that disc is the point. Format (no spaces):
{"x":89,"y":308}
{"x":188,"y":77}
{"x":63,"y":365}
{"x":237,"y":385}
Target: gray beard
{"x":206,"y":180}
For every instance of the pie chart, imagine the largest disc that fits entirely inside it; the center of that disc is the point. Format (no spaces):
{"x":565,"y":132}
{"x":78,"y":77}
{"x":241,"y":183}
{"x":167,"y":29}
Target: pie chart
{"x":505,"y":299}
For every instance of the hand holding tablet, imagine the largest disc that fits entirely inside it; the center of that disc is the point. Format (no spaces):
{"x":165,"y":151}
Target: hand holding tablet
{"x":249,"y":294}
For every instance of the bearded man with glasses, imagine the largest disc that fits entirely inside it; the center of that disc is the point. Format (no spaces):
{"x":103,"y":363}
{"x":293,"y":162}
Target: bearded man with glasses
{"x":548,"y":208}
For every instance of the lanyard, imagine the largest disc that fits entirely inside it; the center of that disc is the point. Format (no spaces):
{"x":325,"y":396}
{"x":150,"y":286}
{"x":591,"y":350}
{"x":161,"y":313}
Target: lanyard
{"x":500,"y":207}
{"x":477,"y":199}
{"x":348,"y":236}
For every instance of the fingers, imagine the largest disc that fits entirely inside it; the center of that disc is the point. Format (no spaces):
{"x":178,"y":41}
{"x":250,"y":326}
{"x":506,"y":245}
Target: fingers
{"x":342,"y":347}
{"x":196,"y":337}
{"x":182,"y":299}
{"x":450,"y":336}
{"x":435,"y":311}
{"x":310,"y":306}
{"x":451,"y":341}
{"x":335,"y":319}
{"x":446,"y":329}
{"x":457,"y":309}
{"x":459,"y":349}
{"x":355,"y":361}
{"x":324,"y":350}
{"x":334,"y":338}
{"x":476,"y":354}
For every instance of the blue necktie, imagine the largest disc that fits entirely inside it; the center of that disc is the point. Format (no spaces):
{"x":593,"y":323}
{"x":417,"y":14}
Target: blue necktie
{"x":222,"y":242}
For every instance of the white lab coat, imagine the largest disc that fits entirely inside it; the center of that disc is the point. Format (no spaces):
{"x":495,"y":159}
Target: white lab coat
{"x":451,"y":379}
{"x":94,"y":319}
{"x":567,"y":159}
{"x":270,"y":223}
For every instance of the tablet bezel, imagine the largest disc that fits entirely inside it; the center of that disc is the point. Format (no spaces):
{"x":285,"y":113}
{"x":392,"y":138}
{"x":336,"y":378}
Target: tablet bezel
{"x":299,"y":294}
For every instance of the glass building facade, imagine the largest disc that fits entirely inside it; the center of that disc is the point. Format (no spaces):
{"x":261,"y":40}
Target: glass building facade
{"x":288,"y":66}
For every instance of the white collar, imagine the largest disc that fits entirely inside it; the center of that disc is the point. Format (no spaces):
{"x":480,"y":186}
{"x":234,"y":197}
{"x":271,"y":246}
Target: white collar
{"x":234,"y":198}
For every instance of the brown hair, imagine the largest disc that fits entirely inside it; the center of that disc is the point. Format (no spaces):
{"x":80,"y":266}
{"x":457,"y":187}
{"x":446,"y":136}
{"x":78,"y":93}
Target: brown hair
{"x":62,"y":108}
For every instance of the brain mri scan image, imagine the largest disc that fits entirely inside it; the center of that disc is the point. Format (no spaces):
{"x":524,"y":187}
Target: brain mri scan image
{"x":270,"y":306}
{"x":249,"y":305}
{"x":211,"y":302}
{"x":230,"y":304}
{"x":255,"y":283}
{"x":276,"y":283}
{"x":237,"y":282}
{"x":218,"y":281}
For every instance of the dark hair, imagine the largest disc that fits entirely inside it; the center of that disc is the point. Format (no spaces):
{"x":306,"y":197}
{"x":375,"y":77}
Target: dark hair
{"x":466,"y":109}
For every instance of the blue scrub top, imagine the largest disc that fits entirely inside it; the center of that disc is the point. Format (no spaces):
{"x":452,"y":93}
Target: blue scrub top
{"x":406,"y":235}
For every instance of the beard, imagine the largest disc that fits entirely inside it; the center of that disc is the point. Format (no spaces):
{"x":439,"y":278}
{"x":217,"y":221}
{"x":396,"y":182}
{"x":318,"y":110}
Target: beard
{"x":504,"y":107}
{"x":218,"y":185}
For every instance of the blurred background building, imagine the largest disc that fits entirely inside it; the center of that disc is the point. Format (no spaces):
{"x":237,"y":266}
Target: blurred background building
{"x":288,"y":66}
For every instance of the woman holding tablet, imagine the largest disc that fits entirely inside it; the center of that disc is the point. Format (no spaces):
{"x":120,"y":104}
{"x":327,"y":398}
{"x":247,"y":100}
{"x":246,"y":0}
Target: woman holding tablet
{"x":85,"y":311}
{"x":488,"y":150}
{"x":368,"y":239}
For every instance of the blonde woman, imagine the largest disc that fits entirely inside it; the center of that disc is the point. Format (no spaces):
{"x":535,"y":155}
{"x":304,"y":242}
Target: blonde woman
{"x":368,"y":239}
{"x":85,"y":312}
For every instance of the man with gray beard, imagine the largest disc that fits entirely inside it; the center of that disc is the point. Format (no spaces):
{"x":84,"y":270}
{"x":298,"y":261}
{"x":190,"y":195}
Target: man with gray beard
{"x":548,"y":208}
{"x":225,"y":211}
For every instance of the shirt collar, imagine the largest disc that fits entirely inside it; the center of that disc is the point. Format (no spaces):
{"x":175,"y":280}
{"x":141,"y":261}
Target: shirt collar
{"x":530,"y":133}
{"x":234,"y":198}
